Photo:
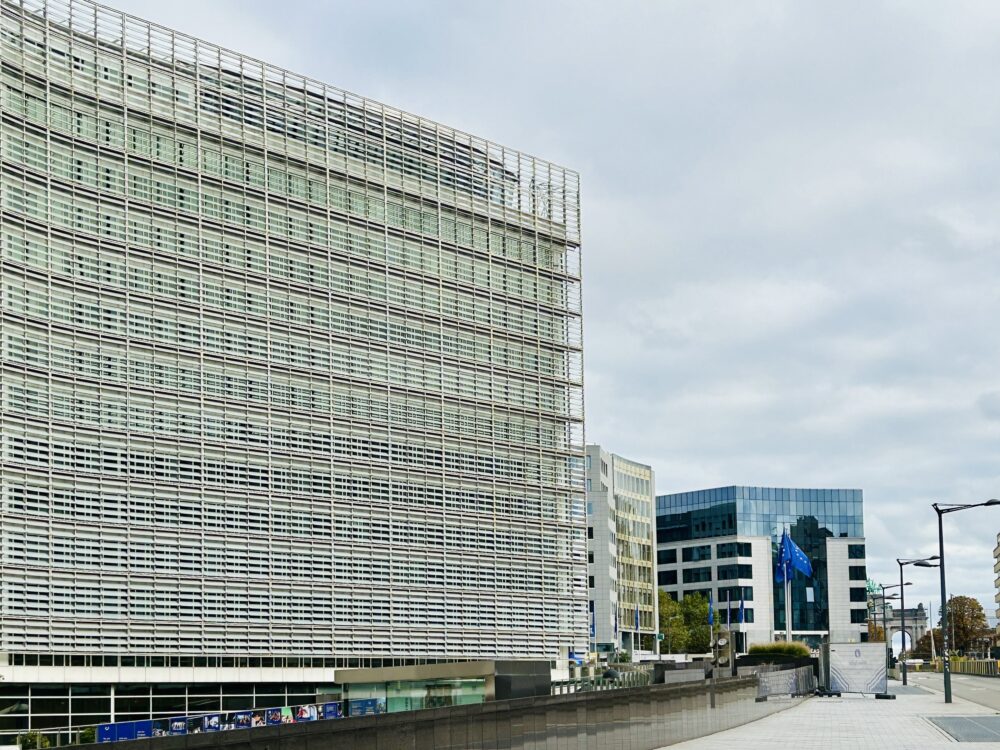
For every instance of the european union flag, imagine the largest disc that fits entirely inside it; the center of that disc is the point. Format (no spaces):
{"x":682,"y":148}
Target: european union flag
{"x":790,"y":559}
{"x":711,"y":612}
{"x":741,"y":615}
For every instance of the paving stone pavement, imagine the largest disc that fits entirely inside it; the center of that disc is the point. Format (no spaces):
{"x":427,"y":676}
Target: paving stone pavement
{"x":852,"y":722}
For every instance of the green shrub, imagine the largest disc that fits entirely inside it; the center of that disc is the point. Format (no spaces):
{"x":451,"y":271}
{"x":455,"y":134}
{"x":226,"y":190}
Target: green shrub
{"x":88,"y":735}
{"x":780,"y":648}
{"x":32,"y":741}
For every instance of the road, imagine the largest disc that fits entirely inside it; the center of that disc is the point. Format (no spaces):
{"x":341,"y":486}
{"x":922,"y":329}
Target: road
{"x":982,"y":690}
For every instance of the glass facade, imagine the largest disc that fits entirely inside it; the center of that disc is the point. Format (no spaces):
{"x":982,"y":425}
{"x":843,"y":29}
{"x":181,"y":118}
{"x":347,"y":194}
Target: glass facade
{"x":810,"y":515}
{"x":284,"y":370}
{"x":755,"y":511}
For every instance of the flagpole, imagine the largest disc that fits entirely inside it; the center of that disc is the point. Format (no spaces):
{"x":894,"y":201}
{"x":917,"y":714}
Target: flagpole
{"x":788,"y":609}
{"x":788,"y":599}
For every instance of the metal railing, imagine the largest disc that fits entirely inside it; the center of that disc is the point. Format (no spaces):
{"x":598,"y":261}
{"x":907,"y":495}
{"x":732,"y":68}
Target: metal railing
{"x":629,"y":679}
{"x":978,"y":667}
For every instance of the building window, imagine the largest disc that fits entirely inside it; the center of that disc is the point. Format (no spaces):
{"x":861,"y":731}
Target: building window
{"x":859,"y":595}
{"x":734,"y":570}
{"x":666,"y":578}
{"x":856,"y":551}
{"x":858,"y":573}
{"x":590,"y":557}
{"x":697,"y":575}
{"x":859,"y":616}
{"x":732,"y":593}
{"x":666,"y":556}
{"x":733,"y":549}
{"x":590,"y":581}
{"x":590,"y":532}
{"x":697,"y":554}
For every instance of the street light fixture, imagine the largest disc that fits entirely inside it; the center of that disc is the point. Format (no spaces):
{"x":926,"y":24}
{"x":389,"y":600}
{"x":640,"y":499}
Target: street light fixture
{"x":885,"y":621}
{"x":941,"y":509}
{"x":923,"y":562}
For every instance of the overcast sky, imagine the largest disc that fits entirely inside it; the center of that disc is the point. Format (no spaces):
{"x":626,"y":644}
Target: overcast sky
{"x":790,"y":216}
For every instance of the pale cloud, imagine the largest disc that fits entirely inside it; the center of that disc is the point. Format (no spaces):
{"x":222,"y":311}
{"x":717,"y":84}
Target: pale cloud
{"x":791,"y":227}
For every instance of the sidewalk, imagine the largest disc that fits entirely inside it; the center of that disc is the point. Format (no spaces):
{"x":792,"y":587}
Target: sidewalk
{"x":853,"y":723}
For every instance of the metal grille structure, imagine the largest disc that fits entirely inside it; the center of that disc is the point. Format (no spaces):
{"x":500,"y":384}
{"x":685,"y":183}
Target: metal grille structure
{"x":285,"y":370}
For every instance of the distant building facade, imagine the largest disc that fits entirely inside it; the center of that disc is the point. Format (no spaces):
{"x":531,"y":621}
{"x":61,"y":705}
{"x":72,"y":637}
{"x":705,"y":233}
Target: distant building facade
{"x":620,"y":551}
{"x":724,"y":541}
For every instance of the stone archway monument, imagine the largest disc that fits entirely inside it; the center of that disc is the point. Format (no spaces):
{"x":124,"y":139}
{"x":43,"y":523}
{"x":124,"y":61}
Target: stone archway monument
{"x":916,"y":625}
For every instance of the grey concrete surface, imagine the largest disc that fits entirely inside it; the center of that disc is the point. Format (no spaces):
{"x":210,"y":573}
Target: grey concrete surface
{"x":914,"y":721}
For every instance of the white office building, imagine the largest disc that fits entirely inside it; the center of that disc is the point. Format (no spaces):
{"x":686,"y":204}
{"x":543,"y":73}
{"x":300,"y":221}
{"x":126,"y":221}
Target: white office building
{"x":291,"y":382}
{"x":622,"y":572}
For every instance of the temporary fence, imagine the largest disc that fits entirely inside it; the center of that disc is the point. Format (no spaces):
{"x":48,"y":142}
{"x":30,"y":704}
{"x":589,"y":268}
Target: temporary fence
{"x":795,"y":681}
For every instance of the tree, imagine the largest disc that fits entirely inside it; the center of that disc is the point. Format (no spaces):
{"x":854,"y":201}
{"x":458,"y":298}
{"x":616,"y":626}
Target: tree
{"x":967,"y":621}
{"x":876,"y":633}
{"x":694,"y":608}
{"x":922,"y":648}
{"x":672,"y":625}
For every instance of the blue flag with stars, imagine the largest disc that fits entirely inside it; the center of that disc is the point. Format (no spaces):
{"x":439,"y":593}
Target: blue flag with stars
{"x":790,"y":559}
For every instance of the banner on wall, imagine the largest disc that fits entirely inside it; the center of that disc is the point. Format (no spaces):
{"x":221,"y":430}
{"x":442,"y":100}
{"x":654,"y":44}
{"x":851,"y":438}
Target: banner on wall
{"x":367,"y":706}
{"x":221,"y":722}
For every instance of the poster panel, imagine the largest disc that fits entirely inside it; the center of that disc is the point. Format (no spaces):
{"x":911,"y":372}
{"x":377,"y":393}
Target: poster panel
{"x":307,"y":712}
{"x":107,"y":733}
{"x":333,"y":711}
{"x":126,"y":730}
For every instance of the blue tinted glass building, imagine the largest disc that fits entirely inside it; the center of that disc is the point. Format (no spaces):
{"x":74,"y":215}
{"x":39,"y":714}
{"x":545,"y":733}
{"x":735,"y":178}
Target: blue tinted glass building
{"x":725,"y":540}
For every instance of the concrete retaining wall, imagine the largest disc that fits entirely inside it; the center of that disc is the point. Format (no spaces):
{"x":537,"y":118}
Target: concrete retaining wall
{"x":630,"y":719}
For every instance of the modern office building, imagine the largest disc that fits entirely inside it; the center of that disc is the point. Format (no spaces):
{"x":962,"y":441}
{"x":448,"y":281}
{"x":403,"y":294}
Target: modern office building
{"x":725,"y":541}
{"x":291,"y":380}
{"x":620,"y":544}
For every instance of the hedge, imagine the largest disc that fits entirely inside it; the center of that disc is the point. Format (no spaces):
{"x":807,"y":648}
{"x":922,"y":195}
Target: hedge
{"x":783,"y":648}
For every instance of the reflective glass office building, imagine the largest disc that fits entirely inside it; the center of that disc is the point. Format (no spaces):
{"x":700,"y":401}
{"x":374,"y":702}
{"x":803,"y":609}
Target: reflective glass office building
{"x":285,"y":371}
{"x":827,"y":524}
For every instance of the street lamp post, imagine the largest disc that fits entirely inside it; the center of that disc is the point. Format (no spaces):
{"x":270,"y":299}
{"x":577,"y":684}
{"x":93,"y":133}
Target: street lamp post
{"x":885,"y":620}
{"x":924,"y":562}
{"x":941,"y":509}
